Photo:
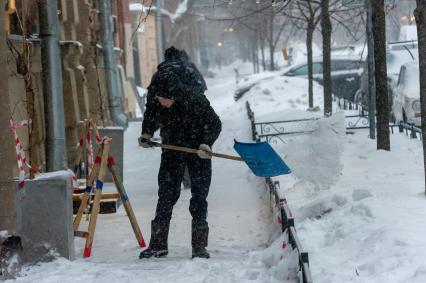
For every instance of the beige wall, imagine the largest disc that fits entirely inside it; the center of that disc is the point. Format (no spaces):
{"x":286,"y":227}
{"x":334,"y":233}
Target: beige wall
{"x":18,"y":98}
{"x":147,"y":44}
{"x":128,"y":73}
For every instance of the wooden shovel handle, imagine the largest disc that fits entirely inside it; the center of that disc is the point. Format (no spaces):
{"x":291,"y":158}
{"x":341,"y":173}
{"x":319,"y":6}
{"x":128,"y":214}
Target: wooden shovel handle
{"x":195,"y":151}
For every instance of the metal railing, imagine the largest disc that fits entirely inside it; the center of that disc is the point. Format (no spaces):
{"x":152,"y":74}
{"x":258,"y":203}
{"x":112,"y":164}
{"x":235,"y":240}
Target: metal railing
{"x":345,"y":104}
{"x":286,"y":217}
{"x":410,"y":129}
{"x":274,"y":129}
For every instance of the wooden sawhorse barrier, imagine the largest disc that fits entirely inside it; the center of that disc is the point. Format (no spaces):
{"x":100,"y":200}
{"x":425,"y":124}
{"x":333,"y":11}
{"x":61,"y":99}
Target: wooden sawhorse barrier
{"x":102,"y":161}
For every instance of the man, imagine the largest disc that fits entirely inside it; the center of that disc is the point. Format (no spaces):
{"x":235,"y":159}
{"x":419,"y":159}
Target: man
{"x":198,"y":77}
{"x":176,"y":106}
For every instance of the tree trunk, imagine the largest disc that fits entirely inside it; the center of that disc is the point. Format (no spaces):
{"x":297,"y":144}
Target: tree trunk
{"x":326,"y":59}
{"x":420,"y":14}
{"x":382,"y":106}
{"x":271,"y":51}
{"x":271,"y":40}
{"x":252,"y":53}
{"x":262,"y":49}
{"x":255,"y":57}
{"x":309,"y":36}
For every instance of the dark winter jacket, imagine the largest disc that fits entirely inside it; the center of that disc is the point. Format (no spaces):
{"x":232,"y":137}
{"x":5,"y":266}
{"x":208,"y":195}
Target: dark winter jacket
{"x":190,"y":121}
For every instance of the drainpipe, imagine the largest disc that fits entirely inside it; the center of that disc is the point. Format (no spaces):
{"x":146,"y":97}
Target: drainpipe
{"x":52,"y":86}
{"x":110,"y":62}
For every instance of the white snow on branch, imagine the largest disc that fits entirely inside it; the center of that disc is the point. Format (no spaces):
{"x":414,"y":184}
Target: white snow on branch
{"x":180,"y":10}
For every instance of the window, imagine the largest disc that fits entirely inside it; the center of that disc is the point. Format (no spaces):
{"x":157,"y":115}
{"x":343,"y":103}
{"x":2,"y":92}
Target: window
{"x":303,"y":70}
{"x":345,"y":65}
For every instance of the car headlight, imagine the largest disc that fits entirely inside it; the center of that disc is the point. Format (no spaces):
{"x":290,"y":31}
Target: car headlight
{"x":416,"y":105}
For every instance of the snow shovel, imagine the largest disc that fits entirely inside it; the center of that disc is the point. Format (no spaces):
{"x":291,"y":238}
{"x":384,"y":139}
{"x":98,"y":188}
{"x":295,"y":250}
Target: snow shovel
{"x":260,"y":157}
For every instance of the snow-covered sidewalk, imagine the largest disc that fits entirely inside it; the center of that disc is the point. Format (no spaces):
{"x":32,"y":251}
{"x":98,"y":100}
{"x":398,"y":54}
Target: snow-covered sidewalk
{"x":239,"y":219}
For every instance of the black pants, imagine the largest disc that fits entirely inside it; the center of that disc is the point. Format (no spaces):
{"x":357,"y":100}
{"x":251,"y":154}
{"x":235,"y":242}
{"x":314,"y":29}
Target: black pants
{"x":170,"y":176}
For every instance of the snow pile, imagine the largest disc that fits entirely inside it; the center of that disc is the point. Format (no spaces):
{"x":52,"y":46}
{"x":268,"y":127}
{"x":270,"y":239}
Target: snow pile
{"x":315,"y":157}
{"x":282,"y":260}
{"x":274,"y":98}
{"x":365,"y":227}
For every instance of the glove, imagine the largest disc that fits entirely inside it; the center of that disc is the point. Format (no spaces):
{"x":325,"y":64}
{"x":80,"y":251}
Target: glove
{"x":203,"y":151}
{"x":144,"y":141}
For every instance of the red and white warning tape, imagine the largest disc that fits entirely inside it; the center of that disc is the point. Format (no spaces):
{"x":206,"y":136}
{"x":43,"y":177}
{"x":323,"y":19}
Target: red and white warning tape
{"x":103,"y":140}
{"x":22,"y":159}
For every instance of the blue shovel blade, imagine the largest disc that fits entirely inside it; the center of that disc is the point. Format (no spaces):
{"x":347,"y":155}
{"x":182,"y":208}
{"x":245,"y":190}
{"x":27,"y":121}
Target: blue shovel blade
{"x":261,"y":158}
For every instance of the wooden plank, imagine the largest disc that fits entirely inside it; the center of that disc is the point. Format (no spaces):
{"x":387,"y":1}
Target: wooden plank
{"x":85,"y":200}
{"x":95,"y":208}
{"x":78,"y":197}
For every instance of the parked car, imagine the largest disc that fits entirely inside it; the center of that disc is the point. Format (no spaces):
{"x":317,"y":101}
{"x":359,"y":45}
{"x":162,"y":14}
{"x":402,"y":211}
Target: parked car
{"x":361,"y":95}
{"x":397,"y":53}
{"x":406,"y":102}
{"x":345,"y":74}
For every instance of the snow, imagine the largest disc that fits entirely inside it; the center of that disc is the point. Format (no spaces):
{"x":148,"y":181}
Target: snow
{"x":180,"y":10}
{"x":315,"y":157}
{"x":62,"y":173}
{"x":411,"y":87}
{"x":141,"y":91}
{"x":372,"y":232}
{"x":298,"y":52}
{"x":4,"y":234}
{"x":408,"y":32}
{"x":398,"y":56}
{"x":359,"y":212}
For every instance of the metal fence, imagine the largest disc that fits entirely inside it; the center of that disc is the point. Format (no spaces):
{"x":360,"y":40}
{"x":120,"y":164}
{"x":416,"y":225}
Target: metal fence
{"x":410,"y":129}
{"x":286,"y":217}
{"x":274,"y":130}
{"x":348,"y":105}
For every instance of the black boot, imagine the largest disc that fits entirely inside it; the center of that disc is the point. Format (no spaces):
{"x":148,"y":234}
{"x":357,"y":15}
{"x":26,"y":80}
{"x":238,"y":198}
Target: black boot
{"x":200,"y":235}
{"x":200,"y":252}
{"x":158,"y":242}
{"x":149,"y":252}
